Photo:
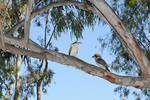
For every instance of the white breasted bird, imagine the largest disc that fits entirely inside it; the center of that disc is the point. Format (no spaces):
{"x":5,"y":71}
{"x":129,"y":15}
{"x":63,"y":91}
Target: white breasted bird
{"x":74,"y":48}
{"x":100,"y":62}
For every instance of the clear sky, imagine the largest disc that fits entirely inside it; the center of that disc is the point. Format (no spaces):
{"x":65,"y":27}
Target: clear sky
{"x":70,"y":83}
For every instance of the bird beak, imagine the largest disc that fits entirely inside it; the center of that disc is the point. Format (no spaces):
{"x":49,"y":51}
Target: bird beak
{"x":92,"y":56}
{"x":79,"y":42}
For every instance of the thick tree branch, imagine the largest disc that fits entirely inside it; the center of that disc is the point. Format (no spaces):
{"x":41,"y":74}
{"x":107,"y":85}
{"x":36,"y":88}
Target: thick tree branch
{"x":16,"y":41}
{"x":27,"y":21}
{"x":1,"y":33}
{"x":2,"y":22}
{"x":127,"y":39}
{"x":137,"y":82}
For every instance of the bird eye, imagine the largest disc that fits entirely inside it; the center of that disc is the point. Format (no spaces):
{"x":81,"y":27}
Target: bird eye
{"x":75,"y":42}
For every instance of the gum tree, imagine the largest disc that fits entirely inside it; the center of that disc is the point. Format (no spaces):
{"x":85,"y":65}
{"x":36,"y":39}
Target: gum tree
{"x":96,"y":8}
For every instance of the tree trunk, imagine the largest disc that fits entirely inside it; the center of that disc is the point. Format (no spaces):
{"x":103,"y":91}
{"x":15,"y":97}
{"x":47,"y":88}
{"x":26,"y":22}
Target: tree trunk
{"x":8,"y":91}
{"x":18,"y":80}
{"x":38,"y":91}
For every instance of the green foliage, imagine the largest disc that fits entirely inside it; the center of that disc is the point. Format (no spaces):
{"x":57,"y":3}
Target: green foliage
{"x":33,"y":77}
{"x":6,"y":71}
{"x":69,"y":18}
{"x":124,"y":92}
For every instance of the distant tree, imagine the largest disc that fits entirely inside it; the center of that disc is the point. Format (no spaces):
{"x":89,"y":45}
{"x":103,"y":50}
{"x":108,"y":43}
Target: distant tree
{"x":10,"y":63}
{"x":74,"y":16}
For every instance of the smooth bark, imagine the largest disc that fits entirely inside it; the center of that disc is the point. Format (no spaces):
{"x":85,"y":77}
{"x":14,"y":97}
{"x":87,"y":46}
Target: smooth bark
{"x":138,"y":82}
{"x":27,"y":21}
{"x":18,"y":80}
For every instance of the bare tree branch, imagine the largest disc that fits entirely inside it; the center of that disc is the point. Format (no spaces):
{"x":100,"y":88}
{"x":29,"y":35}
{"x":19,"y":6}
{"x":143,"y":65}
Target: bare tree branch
{"x":137,"y":82}
{"x":52,"y":33}
{"x":27,"y":21}
{"x":1,"y":32}
{"x":2,"y":22}
{"x":46,"y":26}
{"x":127,"y":39}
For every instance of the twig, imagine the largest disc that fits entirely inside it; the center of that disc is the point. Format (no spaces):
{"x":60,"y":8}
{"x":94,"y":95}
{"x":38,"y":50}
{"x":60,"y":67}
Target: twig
{"x":46,"y":26}
{"x":53,"y":32}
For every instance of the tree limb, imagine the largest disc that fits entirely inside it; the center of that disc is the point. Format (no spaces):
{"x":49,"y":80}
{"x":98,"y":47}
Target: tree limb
{"x":127,"y":39}
{"x":137,"y":82}
{"x":2,"y":22}
{"x":46,"y":28}
{"x":52,"y":33}
{"x":27,"y":21}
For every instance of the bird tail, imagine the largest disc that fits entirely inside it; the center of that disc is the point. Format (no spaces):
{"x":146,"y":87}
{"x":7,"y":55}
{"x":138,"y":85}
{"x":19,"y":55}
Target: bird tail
{"x":107,"y":69}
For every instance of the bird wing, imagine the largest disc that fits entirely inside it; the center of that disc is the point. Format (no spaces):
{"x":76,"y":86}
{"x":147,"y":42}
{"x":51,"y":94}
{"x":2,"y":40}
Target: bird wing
{"x":70,"y":50}
{"x":101,"y":61}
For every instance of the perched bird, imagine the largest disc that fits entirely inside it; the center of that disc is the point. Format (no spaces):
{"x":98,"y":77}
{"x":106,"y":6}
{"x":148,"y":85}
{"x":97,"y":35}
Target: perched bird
{"x":100,"y":62}
{"x":74,"y":48}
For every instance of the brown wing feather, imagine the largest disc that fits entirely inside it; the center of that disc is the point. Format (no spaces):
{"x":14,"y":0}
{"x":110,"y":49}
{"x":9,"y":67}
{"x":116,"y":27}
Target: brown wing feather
{"x":70,"y":50}
{"x":101,"y":61}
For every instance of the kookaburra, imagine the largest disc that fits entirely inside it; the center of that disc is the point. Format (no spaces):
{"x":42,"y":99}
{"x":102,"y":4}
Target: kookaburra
{"x":74,"y":48}
{"x":100,"y":62}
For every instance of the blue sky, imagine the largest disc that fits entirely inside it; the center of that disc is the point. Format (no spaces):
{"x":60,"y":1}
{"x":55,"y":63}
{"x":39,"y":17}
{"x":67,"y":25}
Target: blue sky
{"x":70,"y":83}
